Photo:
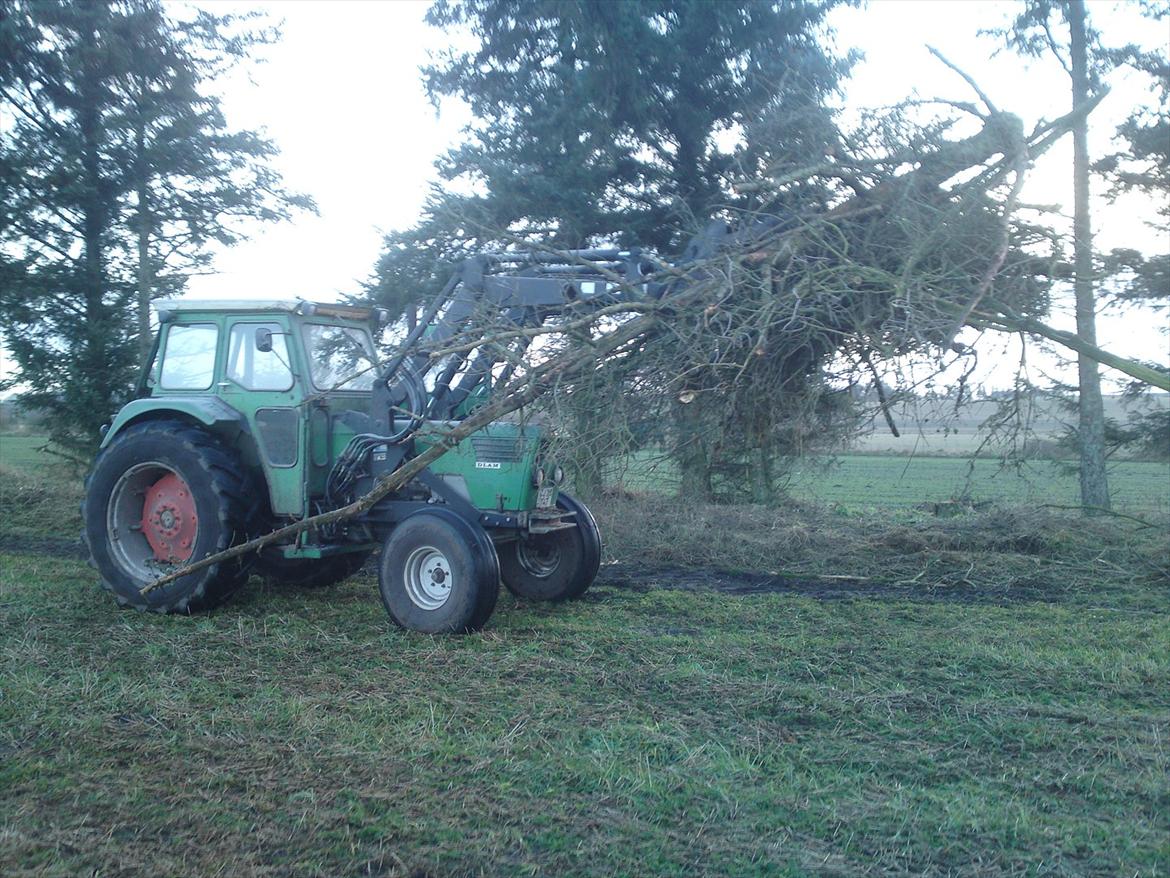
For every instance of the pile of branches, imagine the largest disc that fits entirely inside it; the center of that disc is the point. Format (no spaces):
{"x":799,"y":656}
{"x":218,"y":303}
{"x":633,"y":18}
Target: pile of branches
{"x":803,"y":304}
{"x":983,"y":550}
{"x":898,"y":266}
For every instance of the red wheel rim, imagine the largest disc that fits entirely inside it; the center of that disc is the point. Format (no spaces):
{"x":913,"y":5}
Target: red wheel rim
{"x":169,"y":520}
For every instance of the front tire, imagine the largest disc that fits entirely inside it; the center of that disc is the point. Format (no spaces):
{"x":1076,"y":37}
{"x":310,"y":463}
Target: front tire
{"x":439,"y":574}
{"x":557,"y":566}
{"x":163,"y":494}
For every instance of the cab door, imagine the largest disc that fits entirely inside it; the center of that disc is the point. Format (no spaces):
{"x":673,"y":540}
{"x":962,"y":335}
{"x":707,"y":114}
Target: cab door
{"x":260,"y":381}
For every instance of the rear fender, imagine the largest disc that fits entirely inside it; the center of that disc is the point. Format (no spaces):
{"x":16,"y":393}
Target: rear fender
{"x":209,"y":411}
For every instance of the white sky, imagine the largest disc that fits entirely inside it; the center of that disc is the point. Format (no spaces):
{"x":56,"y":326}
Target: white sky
{"x":341,"y":96}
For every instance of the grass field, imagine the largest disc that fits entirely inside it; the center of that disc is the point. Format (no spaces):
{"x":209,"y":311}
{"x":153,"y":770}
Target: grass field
{"x":22,"y":453}
{"x":857,"y":480}
{"x":745,"y":691}
{"x":867,"y":481}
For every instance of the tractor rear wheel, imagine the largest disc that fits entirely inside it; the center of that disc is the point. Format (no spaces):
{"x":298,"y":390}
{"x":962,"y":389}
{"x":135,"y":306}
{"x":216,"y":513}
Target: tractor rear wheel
{"x":309,"y":572}
{"x":557,"y":566}
{"x":160,"y":495}
{"x":439,"y":574}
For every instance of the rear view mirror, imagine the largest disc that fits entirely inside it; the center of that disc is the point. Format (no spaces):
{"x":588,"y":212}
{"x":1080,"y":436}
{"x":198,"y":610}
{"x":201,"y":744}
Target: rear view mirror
{"x":264,"y":340}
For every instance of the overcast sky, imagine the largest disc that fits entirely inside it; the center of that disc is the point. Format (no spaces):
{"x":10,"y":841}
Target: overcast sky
{"x":341,"y":97}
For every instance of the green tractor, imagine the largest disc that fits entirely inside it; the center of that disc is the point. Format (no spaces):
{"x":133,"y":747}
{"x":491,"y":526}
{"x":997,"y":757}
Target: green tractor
{"x":253,"y":415}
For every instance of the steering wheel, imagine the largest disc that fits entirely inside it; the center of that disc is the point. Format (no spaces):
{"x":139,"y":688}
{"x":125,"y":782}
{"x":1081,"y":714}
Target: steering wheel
{"x":405,"y":394}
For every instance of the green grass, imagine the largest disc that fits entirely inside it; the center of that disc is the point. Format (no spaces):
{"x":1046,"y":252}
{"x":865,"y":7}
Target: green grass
{"x":637,"y":732}
{"x":983,"y":694}
{"x":21,"y":453}
{"x":874,"y":480}
{"x":865,"y":481}
{"x":40,"y":492}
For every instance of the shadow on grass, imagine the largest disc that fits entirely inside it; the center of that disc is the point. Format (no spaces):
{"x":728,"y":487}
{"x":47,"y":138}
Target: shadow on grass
{"x":628,"y":577}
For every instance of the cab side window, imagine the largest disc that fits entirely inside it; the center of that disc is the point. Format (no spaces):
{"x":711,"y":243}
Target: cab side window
{"x":256,"y":369}
{"x":189,"y":359}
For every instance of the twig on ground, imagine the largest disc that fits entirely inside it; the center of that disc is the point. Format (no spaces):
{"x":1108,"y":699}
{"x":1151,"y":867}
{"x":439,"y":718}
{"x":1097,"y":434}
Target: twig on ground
{"x":1112,"y":512}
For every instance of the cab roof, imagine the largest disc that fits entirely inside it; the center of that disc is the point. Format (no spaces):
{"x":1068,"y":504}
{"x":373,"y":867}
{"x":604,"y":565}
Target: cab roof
{"x":167,"y":308}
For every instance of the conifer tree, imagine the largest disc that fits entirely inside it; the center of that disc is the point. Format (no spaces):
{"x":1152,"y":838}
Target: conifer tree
{"x":1061,"y":30}
{"x":612,"y":122}
{"x":117,"y":172}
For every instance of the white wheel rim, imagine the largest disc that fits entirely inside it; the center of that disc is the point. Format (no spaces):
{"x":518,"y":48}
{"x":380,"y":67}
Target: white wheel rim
{"x":124,"y":537}
{"x":427,"y":577}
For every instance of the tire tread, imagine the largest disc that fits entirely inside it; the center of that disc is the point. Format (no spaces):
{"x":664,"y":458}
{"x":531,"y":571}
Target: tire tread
{"x":227,"y":480}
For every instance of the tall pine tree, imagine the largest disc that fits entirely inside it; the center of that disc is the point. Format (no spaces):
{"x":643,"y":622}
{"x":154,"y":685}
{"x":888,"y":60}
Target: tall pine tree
{"x":1061,"y":31}
{"x":117,"y":170}
{"x":617,"y":122}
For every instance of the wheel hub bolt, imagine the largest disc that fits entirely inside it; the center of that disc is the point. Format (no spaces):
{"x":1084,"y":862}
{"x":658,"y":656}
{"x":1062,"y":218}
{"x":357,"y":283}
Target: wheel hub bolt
{"x":168,"y":521}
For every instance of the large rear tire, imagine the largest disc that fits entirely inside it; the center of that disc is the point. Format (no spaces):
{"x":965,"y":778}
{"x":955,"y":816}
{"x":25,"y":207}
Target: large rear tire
{"x":557,"y":566}
{"x":439,"y":574}
{"x":160,"y":495}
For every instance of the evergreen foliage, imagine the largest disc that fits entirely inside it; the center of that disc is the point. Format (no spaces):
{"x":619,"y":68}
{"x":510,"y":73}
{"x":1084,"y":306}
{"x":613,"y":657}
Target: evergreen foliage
{"x":1062,"y":31}
{"x":117,"y":172}
{"x":1142,"y":166}
{"x":616,"y":122}
{"x":1045,"y":28}
{"x":621,"y":123}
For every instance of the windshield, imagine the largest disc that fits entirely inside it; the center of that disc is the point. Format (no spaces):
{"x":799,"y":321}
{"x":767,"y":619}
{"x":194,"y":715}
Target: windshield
{"x":340,"y":357}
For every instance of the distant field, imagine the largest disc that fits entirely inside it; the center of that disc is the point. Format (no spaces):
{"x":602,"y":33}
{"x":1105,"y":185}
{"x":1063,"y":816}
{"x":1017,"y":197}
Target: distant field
{"x":21,"y":453}
{"x":934,"y":426}
{"x":870,"y":480}
{"x":861,"y":481}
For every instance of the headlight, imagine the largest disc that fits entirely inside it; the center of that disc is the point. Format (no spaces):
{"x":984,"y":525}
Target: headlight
{"x":558,"y":475}
{"x":538,"y":476}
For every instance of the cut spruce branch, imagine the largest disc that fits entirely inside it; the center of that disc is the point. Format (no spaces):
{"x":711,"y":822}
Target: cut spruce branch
{"x":1015,"y":323}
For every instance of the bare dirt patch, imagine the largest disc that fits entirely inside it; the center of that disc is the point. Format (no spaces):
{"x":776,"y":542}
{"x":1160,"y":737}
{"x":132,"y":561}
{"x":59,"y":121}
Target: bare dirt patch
{"x":59,"y":547}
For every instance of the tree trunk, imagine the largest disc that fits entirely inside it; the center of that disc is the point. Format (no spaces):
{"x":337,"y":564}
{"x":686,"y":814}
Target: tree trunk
{"x":690,"y":454}
{"x":763,"y":485}
{"x":95,"y":395}
{"x":145,"y":282}
{"x":145,"y":269}
{"x":586,"y":456}
{"x":1094,"y":480}
{"x":587,"y":475}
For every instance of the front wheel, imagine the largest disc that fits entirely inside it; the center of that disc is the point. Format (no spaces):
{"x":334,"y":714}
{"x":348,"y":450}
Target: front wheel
{"x":557,"y":566}
{"x":439,"y":574}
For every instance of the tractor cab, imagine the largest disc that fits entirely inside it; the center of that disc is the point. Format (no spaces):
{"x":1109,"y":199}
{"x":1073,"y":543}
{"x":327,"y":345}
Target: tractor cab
{"x":265,"y":376}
